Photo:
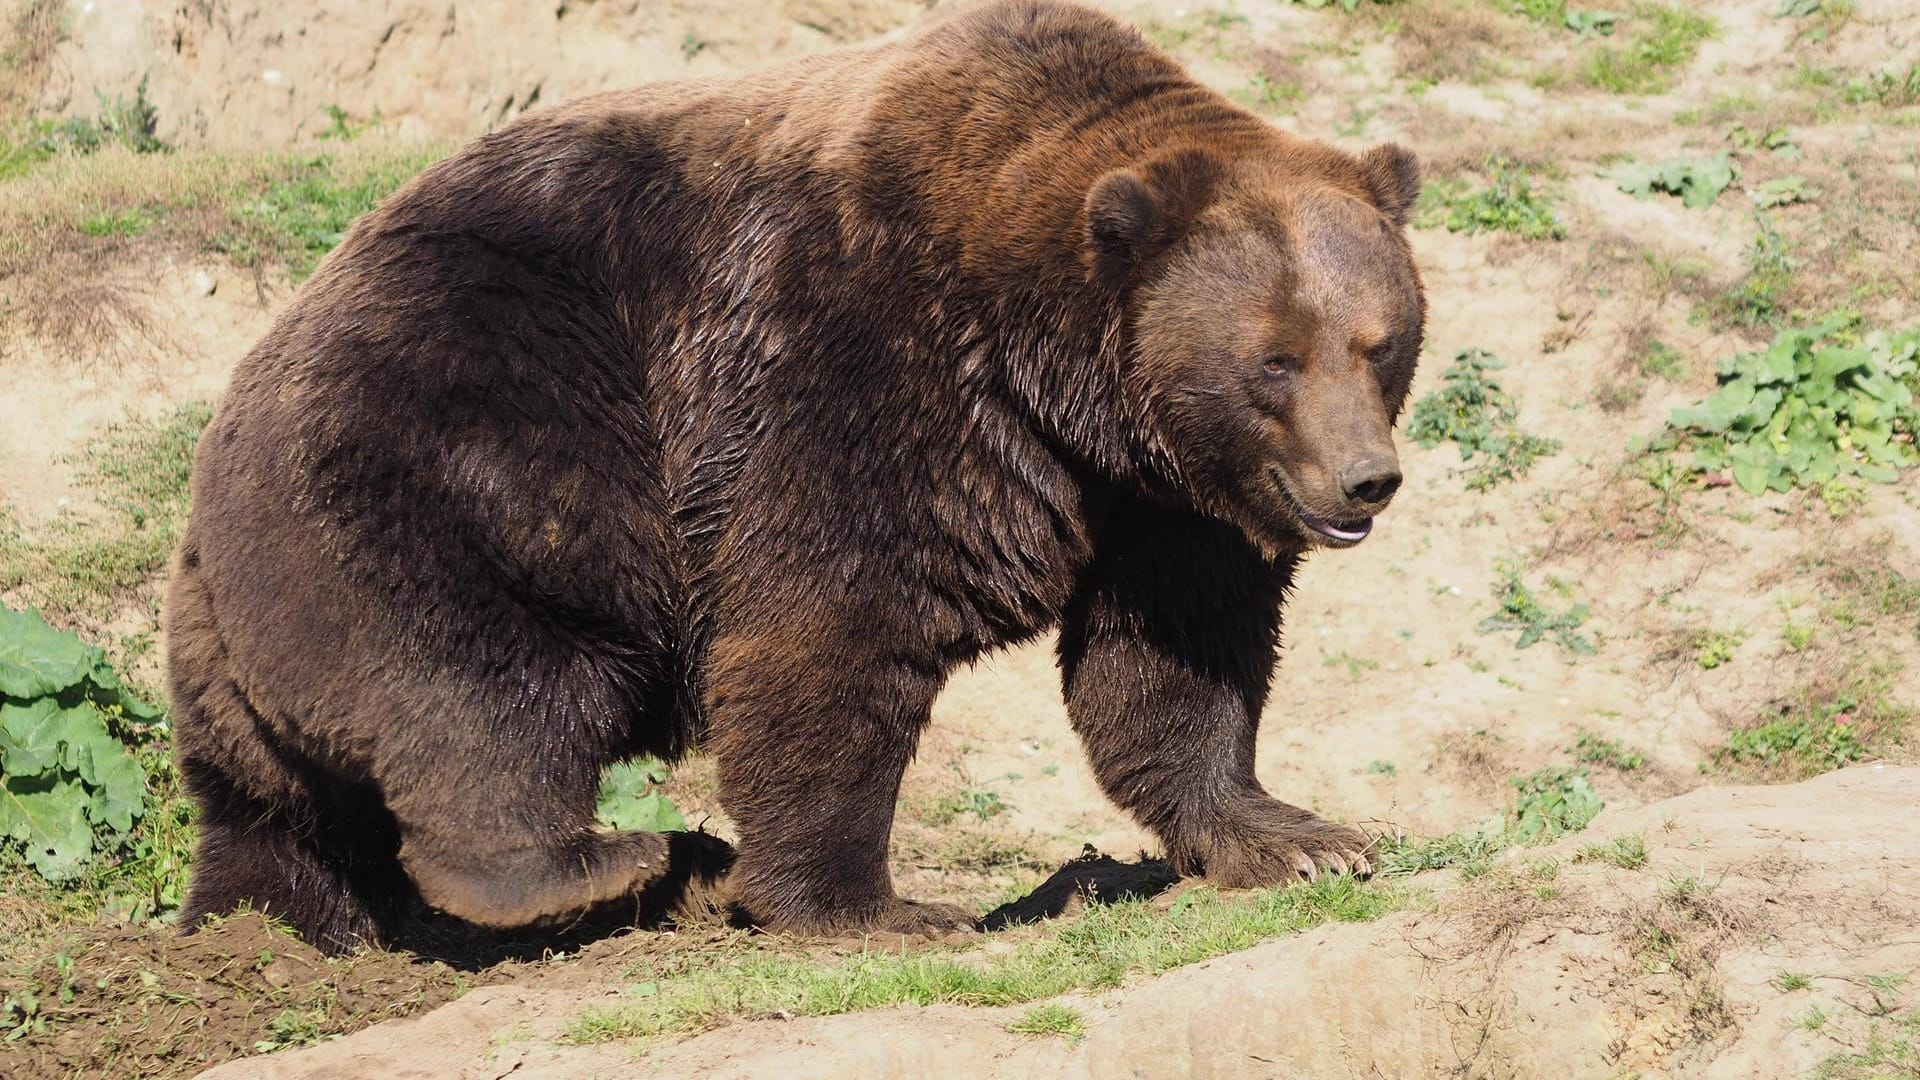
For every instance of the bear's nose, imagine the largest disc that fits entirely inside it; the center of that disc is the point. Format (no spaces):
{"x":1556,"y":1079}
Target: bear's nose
{"x":1370,"y":480}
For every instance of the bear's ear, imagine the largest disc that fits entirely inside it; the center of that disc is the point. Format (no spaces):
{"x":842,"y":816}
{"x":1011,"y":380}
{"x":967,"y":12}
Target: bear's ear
{"x":1392,"y":177}
{"x":1122,"y":220}
{"x":1135,"y":214}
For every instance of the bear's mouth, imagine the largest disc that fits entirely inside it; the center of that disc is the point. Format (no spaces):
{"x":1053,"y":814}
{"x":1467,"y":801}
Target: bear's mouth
{"x":1342,"y":533}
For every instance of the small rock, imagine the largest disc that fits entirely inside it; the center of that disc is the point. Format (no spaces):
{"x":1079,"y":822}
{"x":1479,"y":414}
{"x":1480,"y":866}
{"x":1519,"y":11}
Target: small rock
{"x":273,"y":77}
{"x":204,"y":283}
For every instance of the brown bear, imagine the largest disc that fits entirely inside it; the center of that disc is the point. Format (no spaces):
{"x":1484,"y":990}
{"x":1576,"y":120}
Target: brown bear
{"x":737,"y":415}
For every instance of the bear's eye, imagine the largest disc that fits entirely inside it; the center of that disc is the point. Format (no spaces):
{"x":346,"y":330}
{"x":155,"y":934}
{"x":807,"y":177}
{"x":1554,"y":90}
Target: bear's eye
{"x":1380,"y":353}
{"x":1278,"y":364}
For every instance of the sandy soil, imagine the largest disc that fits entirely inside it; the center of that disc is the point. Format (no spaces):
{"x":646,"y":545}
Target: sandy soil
{"x":1488,"y":982}
{"x":1391,"y":707}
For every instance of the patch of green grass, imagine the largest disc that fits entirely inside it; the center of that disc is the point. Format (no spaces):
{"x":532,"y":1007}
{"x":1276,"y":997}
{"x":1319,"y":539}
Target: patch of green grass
{"x":1098,"y":950}
{"x":1864,"y":593}
{"x":118,"y":122}
{"x":1051,"y":1018}
{"x":1821,"y":402}
{"x":1263,"y":94}
{"x":1759,"y":298}
{"x":1469,"y":851}
{"x":81,"y":564}
{"x":1628,"y":851}
{"x":302,"y":218}
{"x":1665,"y":38}
{"x":1663,"y":361}
{"x":1891,"y":89}
{"x":124,"y":222}
{"x":1378,"y":767}
{"x":1355,"y":665}
{"x":1592,"y":749}
{"x":1548,"y":803}
{"x":1521,"y":610}
{"x":981,"y":802}
{"x":1892,"y":1053}
{"x":1714,"y":648}
{"x":1788,"y":981}
{"x":1348,"y":6}
{"x":1509,"y":203}
{"x":1811,"y":737}
{"x":1475,"y":413}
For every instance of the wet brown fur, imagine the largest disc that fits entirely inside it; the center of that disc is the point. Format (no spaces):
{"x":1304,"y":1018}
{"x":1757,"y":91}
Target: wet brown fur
{"x":739,"y":414}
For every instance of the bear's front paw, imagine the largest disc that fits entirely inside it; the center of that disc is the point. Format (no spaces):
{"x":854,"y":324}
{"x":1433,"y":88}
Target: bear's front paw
{"x":917,"y":919}
{"x":1281,"y":844}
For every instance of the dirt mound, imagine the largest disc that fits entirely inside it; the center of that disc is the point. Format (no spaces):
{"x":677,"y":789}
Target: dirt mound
{"x":242,"y":72}
{"x":132,"y":1003}
{"x":1692,"y":937}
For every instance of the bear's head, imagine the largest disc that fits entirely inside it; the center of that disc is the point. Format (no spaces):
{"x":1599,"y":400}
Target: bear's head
{"x":1275,"y":316}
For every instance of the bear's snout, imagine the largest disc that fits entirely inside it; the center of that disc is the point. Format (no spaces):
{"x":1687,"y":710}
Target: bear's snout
{"x":1369,"y":482}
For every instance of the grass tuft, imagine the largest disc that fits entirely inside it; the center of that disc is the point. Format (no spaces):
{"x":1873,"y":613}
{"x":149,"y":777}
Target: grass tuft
{"x":1099,"y":950}
{"x":81,"y":564}
{"x":1051,"y":1018}
{"x":1667,"y":38}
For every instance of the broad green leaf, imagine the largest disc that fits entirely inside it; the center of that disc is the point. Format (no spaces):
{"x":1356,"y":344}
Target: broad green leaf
{"x":29,"y":737}
{"x":1719,"y":410}
{"x":36,"y":660}
{"x":627,"y":799}
{"x":652,"y":812}
{"x":119,"y":785}
{"x":50,"y":820}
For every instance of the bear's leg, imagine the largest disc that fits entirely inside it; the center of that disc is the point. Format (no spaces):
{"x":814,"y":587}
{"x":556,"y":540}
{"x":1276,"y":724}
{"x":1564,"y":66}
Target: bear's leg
{"x":1166,"y":650}
{"x":811,"y":741}
{"x":519,"y":850}
{"x":254,"y":856}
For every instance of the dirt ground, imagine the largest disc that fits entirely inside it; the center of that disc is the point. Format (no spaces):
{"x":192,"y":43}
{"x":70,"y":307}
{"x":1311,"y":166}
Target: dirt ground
{"x":1392,"y":706}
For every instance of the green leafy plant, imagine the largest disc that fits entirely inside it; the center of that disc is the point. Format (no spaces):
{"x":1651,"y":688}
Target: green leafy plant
{"x":1521,"y":610}
{"x":1697,"y":181}
{"x":1822,"y":401}
{"x":1509,"y":203}
{"x":1600,"y":23}
{"x":68,"y":785}
{"x":1552,"y":801}
{"x":1777,"y":140}
{"x":1760,"y":297}
{"x":1888,"y":88}
{"x":1595,"y":750}
{"x":1472,"y":411}
{"x":1783,"y":191}
{"x":1807,"y":741}
{"x":1713,"y":648}
{"x":630,"y":798}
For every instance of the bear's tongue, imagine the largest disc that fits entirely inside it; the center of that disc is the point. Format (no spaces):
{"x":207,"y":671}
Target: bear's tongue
{"x":1351,"y":533}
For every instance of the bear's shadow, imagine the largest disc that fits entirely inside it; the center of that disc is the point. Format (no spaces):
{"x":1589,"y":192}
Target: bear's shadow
{"x":688,"y":895}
